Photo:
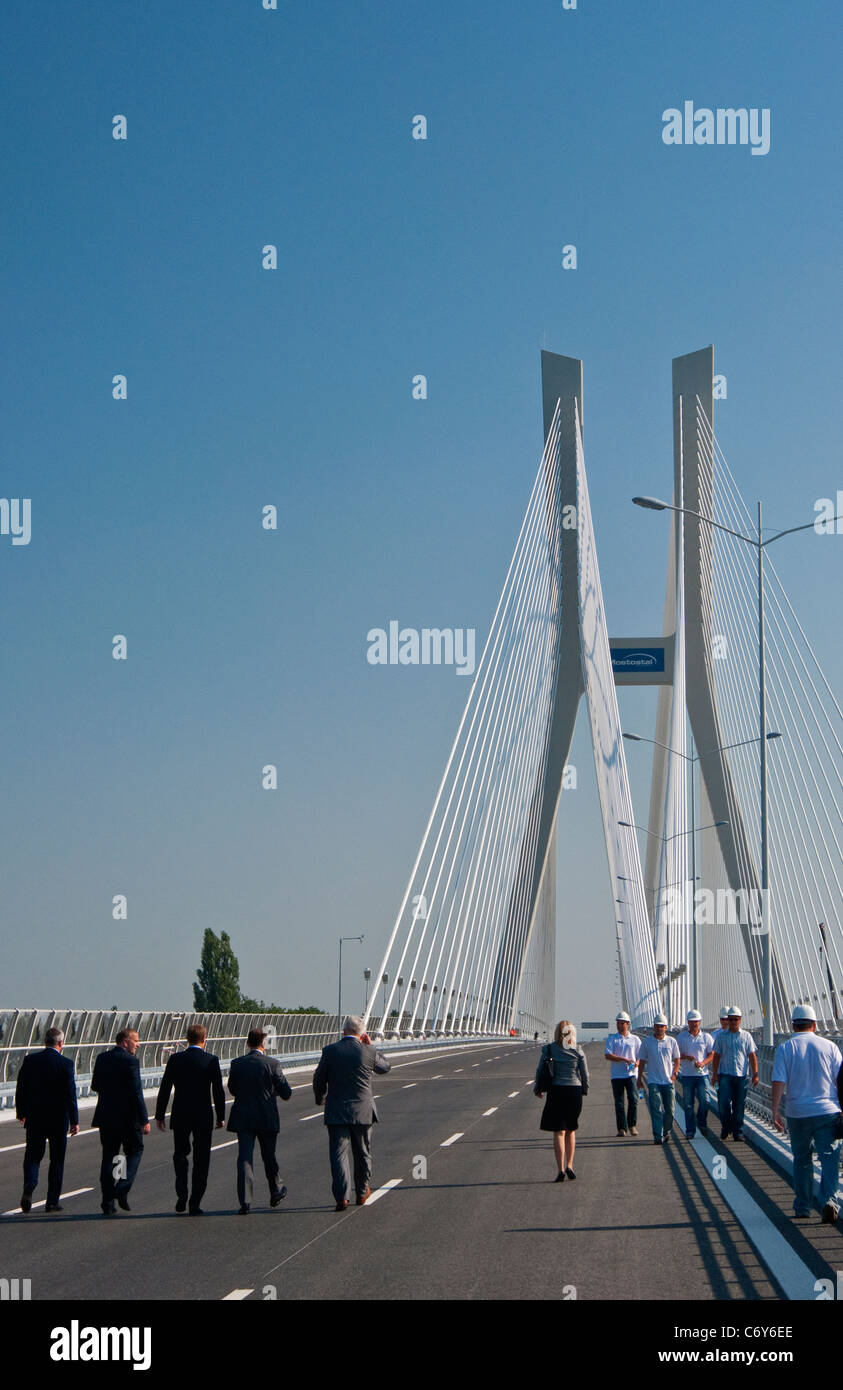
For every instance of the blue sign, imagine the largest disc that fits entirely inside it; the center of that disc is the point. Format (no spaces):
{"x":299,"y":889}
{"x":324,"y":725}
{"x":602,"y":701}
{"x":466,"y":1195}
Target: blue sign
{"x":632,"y":659}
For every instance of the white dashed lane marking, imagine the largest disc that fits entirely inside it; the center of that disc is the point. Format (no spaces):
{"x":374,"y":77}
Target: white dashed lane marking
{"x":490,"y":1112}
{"x":237,"y":1295}
{"x":381,"y":1192}
{"x":453,"y":1139}
{"x":77,"y":1192}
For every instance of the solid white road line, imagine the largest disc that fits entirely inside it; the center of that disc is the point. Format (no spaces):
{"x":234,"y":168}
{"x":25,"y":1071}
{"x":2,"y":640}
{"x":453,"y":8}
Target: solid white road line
{"x":227,"y":1145}
{"x":781,"y":1259}
{"x":77,"y":1192}
{"x":311,"y":1117}
{"x":236,"y":1295}
{"x":9,"y":1147}
{"x":453,"y":1139}
{"x":490,"y":1112}
{"x":381,"y":1191}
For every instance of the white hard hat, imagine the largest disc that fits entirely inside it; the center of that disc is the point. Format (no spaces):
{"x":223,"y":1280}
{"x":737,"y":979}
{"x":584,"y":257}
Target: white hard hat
{"x":733,"y":1012}
{"x":622,"y":1017}
{"x":659,"y":1018}
{"x":803,"y":1011}
{"x":724,"y":1012}
{"x":693,"y":1017}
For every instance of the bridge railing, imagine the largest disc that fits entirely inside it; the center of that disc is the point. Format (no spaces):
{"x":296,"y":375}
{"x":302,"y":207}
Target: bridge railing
{"x":759,"y":1099}
{"x":87,"y":1032}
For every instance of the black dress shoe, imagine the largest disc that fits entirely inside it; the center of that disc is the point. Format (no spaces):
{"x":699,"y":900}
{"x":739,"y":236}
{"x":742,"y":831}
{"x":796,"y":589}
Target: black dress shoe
{"x":342,"y":1205}
{"x":108,"y":1208}
{"x":26,"y":1199}
{"x":123,"y":1201}
{"x":278,"y":1196}
{"x":560,"y":1176}
{"x":54,"y":1206}
{"x":244,"y":1211}
{"x":196,"y":1211}
{"x":570,"y":1174}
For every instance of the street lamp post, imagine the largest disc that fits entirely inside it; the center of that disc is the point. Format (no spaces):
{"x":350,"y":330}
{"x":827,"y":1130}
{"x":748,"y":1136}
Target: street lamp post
{"x":692,"y":759}
{"x":656,"y":505}
{"x":339,"y":986}
{"x":665,"y":839}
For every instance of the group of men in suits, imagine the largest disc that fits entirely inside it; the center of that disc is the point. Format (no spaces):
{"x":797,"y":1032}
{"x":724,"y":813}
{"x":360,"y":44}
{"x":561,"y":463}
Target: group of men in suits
{"x":46,"y":1105}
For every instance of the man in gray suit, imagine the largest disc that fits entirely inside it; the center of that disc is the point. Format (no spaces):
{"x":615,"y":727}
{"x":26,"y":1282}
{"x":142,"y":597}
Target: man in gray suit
{"x":345,"y":1072}
{"x":254,"y":1081}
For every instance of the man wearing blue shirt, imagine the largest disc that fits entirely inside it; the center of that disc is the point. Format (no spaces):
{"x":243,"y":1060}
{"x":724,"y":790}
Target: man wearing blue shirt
{"x":807,"y":1068}
{"x":735,"y":1062}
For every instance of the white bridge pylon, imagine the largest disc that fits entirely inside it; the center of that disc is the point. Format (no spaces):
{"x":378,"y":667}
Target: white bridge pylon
{"x":472,"y":949}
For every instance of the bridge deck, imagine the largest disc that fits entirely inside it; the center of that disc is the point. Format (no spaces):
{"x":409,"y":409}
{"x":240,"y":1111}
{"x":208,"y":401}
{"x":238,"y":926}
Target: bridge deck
{"x":486,"y":1223}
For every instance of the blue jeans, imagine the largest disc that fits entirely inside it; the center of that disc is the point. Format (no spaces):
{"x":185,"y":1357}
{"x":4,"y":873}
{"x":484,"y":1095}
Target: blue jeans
{"x":694,"y":1086}
{"x":662,"y":1101}
{"x":731,"y":1100}
{"x":820,"y":1129}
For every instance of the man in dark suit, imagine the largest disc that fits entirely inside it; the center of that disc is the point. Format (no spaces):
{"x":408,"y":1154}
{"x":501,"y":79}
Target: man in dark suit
{"x":120,"y":1116}
{"x":254,"y":1081}
{"x":45,"y":1104}
{"x":345,"y":1072}
{"x":195,"y":1074}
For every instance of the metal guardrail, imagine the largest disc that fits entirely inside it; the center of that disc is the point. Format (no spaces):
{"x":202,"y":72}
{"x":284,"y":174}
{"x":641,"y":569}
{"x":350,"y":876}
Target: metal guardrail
{"x":87,"y":1032}
{"x":759,"y":1099}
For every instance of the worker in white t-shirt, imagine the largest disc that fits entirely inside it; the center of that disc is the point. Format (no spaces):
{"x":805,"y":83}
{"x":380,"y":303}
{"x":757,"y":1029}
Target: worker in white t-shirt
{"x":806,"y":1069}
{"x":622,"y":1050}
{"x":696,"y":1050}
{"x":660,"y":1056}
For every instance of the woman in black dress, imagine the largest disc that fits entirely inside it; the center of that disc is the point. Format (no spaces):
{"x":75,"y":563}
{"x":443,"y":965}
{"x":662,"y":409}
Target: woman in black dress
{"x":565,"y":1095}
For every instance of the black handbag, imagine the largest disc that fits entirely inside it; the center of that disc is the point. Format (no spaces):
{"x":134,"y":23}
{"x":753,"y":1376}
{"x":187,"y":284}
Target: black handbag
{"x":838,"y":1127}
{"x":546,"y":1072}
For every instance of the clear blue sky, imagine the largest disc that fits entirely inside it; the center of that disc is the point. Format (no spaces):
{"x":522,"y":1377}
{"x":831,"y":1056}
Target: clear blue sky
{"x":293,"y":387}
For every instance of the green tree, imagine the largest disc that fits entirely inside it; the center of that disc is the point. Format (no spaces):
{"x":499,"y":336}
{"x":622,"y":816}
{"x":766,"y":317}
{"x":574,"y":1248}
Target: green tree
{"x":217,"y":986}
{"x":257,"y":1006}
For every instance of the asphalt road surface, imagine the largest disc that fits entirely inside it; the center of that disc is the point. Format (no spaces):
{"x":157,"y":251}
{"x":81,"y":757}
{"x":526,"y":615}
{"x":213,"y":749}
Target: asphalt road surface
{"x":464,"y":1207}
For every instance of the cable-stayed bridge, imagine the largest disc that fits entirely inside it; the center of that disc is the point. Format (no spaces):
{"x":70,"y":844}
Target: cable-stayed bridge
{"x":736,"y":896}
{"x":739,"y":890}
